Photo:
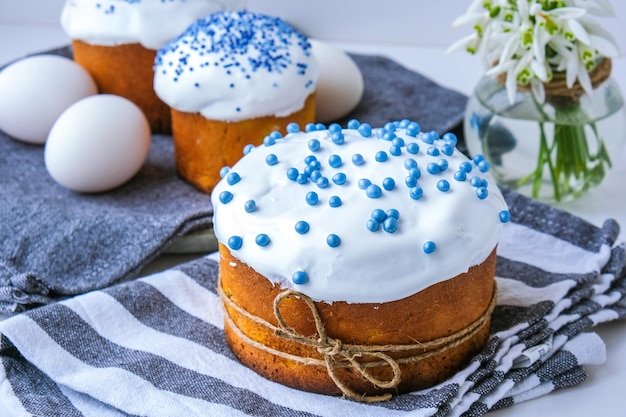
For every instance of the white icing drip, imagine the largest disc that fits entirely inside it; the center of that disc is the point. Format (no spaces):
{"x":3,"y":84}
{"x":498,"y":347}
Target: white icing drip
{"x":152,"y":23}
{"x":223,"y":85}
{"x":367,"y":266}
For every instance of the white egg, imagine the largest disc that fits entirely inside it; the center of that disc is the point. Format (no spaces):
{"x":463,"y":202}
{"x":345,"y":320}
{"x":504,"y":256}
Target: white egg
{"x":97,"y":144}
{"x":35,"y":91}
{"x":340,"y":82}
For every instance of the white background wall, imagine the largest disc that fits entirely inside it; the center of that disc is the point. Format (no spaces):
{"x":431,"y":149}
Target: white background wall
{"x":408,"y":22}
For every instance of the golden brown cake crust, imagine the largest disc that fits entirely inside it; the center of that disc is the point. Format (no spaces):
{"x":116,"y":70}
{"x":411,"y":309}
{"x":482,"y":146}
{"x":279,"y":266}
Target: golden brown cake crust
{"x":439,"y":311}
{"x":202,"y":146}
{"x":126,"y":70}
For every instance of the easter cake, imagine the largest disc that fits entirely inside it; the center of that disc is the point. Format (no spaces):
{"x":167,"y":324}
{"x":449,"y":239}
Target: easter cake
{"x":357,"y":261}
{"x":116,"y":42}
{"x":228,"y":77}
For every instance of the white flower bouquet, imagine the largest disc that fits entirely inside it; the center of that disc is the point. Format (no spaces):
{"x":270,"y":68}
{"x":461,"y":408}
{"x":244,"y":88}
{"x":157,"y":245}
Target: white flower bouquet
{"x":558,"y":52}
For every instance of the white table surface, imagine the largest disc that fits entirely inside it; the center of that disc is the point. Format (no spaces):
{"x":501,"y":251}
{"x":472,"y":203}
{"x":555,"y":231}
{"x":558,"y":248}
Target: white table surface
{"x":603,"y":392}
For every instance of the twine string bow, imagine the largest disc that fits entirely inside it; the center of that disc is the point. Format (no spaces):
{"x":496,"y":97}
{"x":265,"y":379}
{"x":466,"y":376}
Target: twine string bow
{"x":335,"y":352}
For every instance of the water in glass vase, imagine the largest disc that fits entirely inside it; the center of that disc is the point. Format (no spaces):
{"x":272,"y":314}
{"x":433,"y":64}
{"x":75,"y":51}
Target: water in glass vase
{"x":555,"y":151}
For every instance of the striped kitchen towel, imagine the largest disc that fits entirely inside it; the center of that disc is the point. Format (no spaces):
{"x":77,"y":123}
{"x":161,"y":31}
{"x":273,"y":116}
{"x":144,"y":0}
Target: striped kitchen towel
{"x":155,"y":346}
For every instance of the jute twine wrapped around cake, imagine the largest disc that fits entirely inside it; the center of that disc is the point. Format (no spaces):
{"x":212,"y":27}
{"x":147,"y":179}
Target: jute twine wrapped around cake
{"x":557,"y":91}
{"x":334,"y":354}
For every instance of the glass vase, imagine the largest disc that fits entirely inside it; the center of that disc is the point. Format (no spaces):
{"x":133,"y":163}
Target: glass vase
{"x":553,"y":151}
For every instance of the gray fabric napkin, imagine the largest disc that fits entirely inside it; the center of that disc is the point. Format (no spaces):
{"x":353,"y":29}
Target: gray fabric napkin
{"x":55,"y":243}
{"x":155,"y":346}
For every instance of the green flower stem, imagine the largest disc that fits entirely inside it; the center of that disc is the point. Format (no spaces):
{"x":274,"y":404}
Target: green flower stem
{"x":571,"y":166}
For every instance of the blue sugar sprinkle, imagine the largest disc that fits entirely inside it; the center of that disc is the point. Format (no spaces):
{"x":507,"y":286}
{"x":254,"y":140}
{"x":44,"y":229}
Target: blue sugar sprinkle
{"x":224,"y":171}
{"x":390,"y":126}
{"x":416,"y":193}
{"x":390,"y":225}
{"x":269,"y":141}
{"x":302,"y":179}
{"x":477,"y":158}
{"x":312,"y":198}
{"x":404,"y":123}
{"x":429,"y":247}
{"x":365,"y":130}
{"x":299,"y":277}
{"x":372,"y":225}
{"x":412,"y":129}
{"x":364,"y":183}
{"x":322,"y":182}
{"x":334,"y":201}
{"x":410,"y":181}
{"x":235,"y":242}
{"x":393,"y":213}
{"x":413,"y":148}
{"x":337,"y":138}
{"x":271,"y":159}
{"x":226,"y":197}
{"x":310,"y":127}
{"x":302,"y":227}
{"x":334,"y":128}
{"x":484,"y":183}
{"x":357,"y":159}
{"x":398,"y":142}
{"x":389,"y":184}
{"x":433,"y":151}
{"x":276,"y":134}
{"x":505,"y":216}
{"x":460,"y":176}
{"x":415,"y":173}
{"x":410,"y":163}
{"x":450,"y":139}
{"x":339,"y":178}
{"x":381,"y":156}
{"x":432,"y":168}
{"x":465,"y":167}
{"x":447,"y":150}
{"x":250,"y":206}
{"x":484,"y":166}
{"x":335,"y":161}
{"x":395,"y":150}
{"x":313,"y":165}
{"x":293,"y":127}
{"x":378,"y":215}
{"x":320,"y":126}
{"x":443,"y":164}
{"x":482,"y":193}
{"x":333,"y":240}
{"x":428,"y":138}
{"x":292,"y":174}
{"x":476,"y":181}
{"x":315,"y":175}
{"x":353,"y":124}
{"x":373,"y":191}
{"x":233,"y":178}
{"x":388,"y":136}
{"x":443,"y":185}
{"x":314,"y":145}
{"x":262,"y":239}
{"x":248,"y":148}
{"x":380,"y":132}
{"x":310,"y":159}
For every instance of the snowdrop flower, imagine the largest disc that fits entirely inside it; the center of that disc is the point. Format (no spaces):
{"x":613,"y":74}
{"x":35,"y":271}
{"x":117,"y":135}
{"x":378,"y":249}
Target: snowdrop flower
{"x":529,"y":40}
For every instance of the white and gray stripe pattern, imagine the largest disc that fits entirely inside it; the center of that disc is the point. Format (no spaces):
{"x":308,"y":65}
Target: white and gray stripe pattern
{"x":155,"y":346}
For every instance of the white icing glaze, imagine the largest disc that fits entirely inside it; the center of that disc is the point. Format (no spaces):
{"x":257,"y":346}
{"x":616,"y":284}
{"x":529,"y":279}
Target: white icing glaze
{"x":236,"y":65}
{"x":151,"y":23}
{"x":367,"y":266}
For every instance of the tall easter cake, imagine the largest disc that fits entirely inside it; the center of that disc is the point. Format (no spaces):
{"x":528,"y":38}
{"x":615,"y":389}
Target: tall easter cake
{"x":116,"y":42}
{"x":357,"y":261}
{"x":229,"y":78}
